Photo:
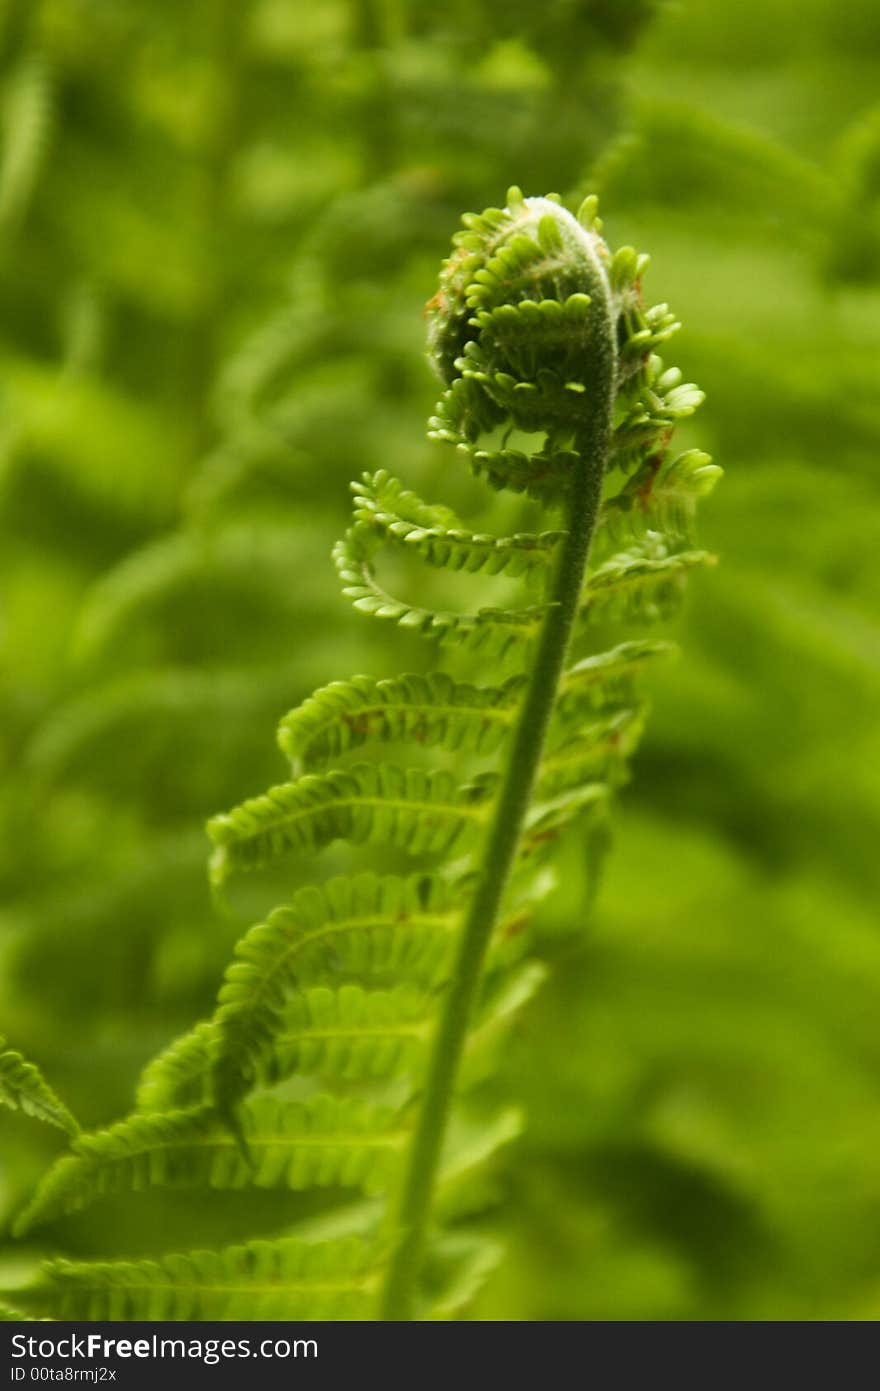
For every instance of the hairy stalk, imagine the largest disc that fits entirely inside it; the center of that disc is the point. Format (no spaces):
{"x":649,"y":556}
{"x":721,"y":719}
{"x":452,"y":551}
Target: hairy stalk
{"x":503,"y":838}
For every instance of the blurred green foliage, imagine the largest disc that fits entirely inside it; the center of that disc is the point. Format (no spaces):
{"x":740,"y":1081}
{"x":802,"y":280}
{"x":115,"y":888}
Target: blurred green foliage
{"x":217,"y":226}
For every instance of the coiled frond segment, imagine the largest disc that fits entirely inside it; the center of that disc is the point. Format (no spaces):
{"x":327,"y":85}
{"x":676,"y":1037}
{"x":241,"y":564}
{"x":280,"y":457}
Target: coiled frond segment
{"x":511,"y":332}
{"x":491,"y":632}
{"x":542,"y":475}
{"x":400,"y":517}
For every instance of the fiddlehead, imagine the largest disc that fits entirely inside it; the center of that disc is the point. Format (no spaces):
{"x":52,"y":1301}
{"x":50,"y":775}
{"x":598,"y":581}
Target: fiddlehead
{"x":355,"y":1025}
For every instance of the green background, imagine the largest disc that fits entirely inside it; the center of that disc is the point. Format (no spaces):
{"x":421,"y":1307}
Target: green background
{"x":218,"y":225}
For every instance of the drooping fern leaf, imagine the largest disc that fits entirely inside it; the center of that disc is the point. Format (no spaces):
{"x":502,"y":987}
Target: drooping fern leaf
{"x":355,"y":1026}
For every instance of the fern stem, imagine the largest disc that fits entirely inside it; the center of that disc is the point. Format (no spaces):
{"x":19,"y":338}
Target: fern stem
{"x":527,"y":746}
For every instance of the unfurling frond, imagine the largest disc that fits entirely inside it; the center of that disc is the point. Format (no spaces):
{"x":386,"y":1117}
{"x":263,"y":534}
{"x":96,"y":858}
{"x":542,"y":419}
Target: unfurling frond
{"x":401,"y":518}
{"x":357,"y":1025}
{"x":491,"y":632}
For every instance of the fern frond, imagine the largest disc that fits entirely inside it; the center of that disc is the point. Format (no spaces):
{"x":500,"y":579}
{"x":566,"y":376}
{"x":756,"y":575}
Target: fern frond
{"x":506,"y":996}
{"x":325,"y":1141}
{"x":400,"y":517}
{"x":178,"y":1078}
{"x":464,"y":413}
{"x":342,"y":1034}
{"x":551,"y":402}
{"x":601,"y":689}
{"x":23,"y":1088}
{"x":376,"y":803}
{"x":432,"y":710}
{"x":543,"y":475}
{"x":549,"y":818}
{"x":644,"y":584}
{"x":598,"y":752}
{"x":661,"y":496}
{"x":490,"y":632}
{"x":350,"y":1034}
{"x":367,"y":926}
{"x":473,"y":1142}
{"x":647,"y":410}
{"x":536,"y":335}
{"x":374,"y":987}
{"x":458,"y":1266}
{"x":281,"y":1279}
{"x":608,"y":676}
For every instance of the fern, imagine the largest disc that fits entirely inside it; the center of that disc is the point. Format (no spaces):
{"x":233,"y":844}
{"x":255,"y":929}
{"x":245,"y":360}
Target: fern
{"x":393,"y":515}
{"x":326,"y":1142}
{"x":433,"y":710}
{"x":356,"y":1026}
{"x":281,"y":1279}
{"x":23,"y":1088}
{"x":422,"y":813}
